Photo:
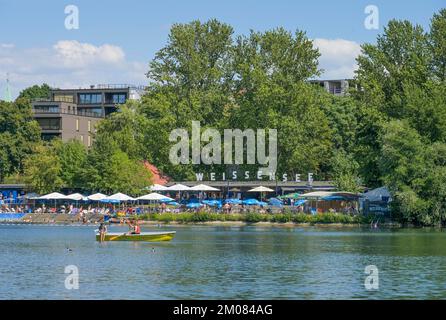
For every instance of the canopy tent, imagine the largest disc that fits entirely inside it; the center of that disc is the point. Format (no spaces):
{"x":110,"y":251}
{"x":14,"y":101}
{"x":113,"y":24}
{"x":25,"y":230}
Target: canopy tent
{"x":155,"y":197}
{"x":158,"y":187}
{"x":76,"y":197}
{"x":328,"y":198}
{"x":32,"y":196}
{"x":97,"y":197}
{"x":203,"y":187}
{"x":53,"y":196}
{"x":378,"y":194}
{"x":120,"y":197}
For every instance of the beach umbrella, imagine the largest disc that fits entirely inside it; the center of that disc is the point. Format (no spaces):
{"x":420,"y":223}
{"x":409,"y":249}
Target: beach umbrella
{"x":275,"y":202}
{"x":114,"y":201}
{"x":53,"y":196}
{"x":251,"y":202}
{"x":154,"y":197}
{"x":261,"y":189}
{"x":212,"y":203}
{"x":299,"y":202}
{"x":233,"y":201}
{"x":120,"y":197}
{"x":203,"y":187}
{"x":76,"y":197}
{"x":158,"y":187}
{"x":178,"y":187}
{"x":290,"y":196}
{"x":194,"y":205}
{"x":97,"y":197}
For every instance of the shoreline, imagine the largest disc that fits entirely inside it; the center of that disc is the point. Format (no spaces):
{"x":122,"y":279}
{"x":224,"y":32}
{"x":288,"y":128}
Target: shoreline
{"x":94,"y":220}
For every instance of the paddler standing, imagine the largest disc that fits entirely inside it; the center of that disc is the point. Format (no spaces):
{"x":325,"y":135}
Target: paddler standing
{"x":102,"y":231}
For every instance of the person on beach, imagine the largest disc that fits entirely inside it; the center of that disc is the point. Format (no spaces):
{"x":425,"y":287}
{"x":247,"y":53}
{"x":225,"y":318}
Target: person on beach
{"x":102,"y":231}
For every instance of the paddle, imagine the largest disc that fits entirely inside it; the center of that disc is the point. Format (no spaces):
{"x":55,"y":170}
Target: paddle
{"x":119,"y":235}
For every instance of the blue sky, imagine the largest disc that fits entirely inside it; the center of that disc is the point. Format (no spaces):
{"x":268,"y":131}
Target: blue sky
{"x":126,"y":34}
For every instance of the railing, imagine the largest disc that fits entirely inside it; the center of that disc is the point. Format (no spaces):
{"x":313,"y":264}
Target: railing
{"x":59,"y":99}
{"x":117,"y":86}
{"x":336,"y":90}
{"x":71,"y":112}
{"x":56,"y":127}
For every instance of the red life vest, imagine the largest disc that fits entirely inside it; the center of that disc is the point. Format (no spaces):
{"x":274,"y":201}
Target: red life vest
{"x":137,"y":229}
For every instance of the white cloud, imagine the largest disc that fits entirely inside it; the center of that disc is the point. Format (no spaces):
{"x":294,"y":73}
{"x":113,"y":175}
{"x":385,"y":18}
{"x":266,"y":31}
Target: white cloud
{"x":337,"y":57}
{"x":74,"y":54}
{"x":68,"y":63}
{"x":6,"y":45}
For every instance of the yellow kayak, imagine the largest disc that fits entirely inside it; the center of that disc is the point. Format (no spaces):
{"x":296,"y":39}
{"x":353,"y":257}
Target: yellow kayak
{"x":143,"y":236}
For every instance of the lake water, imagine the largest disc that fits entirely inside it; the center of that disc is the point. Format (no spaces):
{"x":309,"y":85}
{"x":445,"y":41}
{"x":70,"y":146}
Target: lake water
{"x":223,"y":263}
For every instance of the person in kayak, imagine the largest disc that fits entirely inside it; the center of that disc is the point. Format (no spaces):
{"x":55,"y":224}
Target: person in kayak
{"x":134,"y":228}
{"x":102,"y":231}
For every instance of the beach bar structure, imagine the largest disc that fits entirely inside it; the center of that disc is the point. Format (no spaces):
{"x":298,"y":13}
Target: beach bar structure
{"x":323,"y":201}
{"x":235,"y":188}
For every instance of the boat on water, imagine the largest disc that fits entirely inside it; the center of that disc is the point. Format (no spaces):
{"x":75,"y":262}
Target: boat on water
{"x":143,"y":236}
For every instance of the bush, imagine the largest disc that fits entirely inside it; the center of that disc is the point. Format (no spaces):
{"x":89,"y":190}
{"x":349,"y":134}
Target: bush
{"x":254,"y":217}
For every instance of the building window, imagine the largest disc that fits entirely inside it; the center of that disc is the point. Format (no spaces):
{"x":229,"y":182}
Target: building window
{"x":118,"y":98}
{"x":49,"y":124}
{"x":89,"y":125}
{"x":90,"y":98}
{"x":89,"y":141}
{"x":81,"y":138}
{"x":77,"y":124}
{"x":46,"y":109}
{"x":64,"y":98}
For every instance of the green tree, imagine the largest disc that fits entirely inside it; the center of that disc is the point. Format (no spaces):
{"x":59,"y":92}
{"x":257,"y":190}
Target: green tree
{"x":190,"y":80}
{"x":345,"y":172}
{"x":400,"y":57}
{"x":109,"y":169}
{"x":18,"y":135}
{"x":42,"y":170}
{"x":271,"y":93}
{"x":35,"y":92}
{"x":72,"y":157}
{"x":437,"y":38}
